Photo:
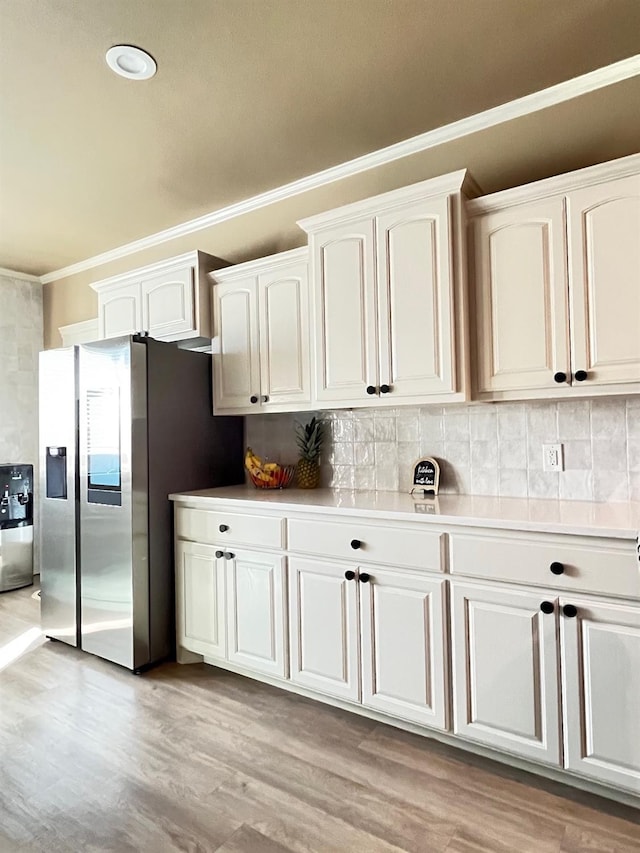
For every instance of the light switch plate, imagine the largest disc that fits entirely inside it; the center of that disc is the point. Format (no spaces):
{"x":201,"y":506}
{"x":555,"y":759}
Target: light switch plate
{"x":552,"y":457}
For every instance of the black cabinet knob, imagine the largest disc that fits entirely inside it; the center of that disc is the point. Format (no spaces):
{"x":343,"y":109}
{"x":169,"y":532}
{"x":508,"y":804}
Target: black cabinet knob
{"x":223,"y":528}
{"x":560,"y":376}
{"x":219,"y":554}
{"x":547,"y":607}
{"x":371,"y":389}
{"x":557,"y":568}
{"x":355,"y":544}
{"x":384,"y":389}
{"x":581,"y":375}
{"x":570,"y":610}
{"x":254,"y":399}
{"x":265,"y":398}
{"x":228,"y":555}
{"x":363,"y":577}
{"x":349,"y":575}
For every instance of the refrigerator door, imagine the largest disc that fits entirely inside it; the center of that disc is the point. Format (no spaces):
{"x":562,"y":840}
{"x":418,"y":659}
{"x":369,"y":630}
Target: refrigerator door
{"x":114,"y":607}
{"x":58,"y":494}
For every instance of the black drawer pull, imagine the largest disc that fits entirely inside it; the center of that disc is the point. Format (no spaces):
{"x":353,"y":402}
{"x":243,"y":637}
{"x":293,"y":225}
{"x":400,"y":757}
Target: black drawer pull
{"x":371,"y":389}
{"x":219,"y":554}
{"x":363,"y":577}
{"x":560,"y":376}
{"x":385,"y":389}
{"x":570,"y":610}
{"x":557,"y":568}
{"x":228,"y":555}
{"x":349,"y":575}
{"x":223,"y":528}
{"x":254,"y":399}
{"x":547,"y":607}
{"x":355,"y":544}
{"x":581,"y":375}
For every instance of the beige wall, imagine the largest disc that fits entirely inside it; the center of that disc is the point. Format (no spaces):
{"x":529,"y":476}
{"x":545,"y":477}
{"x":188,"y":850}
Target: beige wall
{"x":537,"y":146}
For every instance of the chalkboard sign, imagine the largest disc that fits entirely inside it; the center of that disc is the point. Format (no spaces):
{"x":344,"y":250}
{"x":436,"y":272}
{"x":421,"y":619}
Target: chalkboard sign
{"x":426,"y":476}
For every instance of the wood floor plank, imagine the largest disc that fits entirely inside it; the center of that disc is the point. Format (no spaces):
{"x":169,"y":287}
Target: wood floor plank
{"x":93,"y":758}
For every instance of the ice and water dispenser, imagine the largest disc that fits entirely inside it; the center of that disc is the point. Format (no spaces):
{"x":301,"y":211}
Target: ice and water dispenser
{"x":16,"y":526}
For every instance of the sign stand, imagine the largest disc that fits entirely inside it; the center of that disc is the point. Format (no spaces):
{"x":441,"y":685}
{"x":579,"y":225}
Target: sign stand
{"x":426,"y":476}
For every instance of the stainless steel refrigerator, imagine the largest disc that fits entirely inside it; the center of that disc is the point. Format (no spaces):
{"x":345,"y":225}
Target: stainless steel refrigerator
{"x":123,"y":423}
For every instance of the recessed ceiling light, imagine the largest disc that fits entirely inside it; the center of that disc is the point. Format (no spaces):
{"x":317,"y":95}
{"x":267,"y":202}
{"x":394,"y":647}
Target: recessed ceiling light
{"x":131,"y":62}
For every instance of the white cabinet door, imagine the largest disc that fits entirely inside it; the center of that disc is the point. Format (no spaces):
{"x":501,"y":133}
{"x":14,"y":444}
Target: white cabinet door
{"x":416,"y":300}
{"x":601,"y":692}
{"x":256,"y":622}
{"x":168,"y":308}
{"x":235,"y":347}
{"x":604,"y":245}
{"x":521,"y":297}
{"x":200,"y":597}
{"x":343,"y":262}
{"x":283,"y":297}
{"x":505,"y":670}
{"x":119,"y":311}
{"x":324,"y":629}
{"x":403,"y":646}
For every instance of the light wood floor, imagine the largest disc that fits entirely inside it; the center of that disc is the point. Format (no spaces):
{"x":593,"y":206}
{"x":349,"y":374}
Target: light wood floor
{"x":93,"y":758}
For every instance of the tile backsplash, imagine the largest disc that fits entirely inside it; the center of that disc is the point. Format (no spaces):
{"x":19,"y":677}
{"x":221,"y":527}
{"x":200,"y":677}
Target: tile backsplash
{"x":484,"y":449}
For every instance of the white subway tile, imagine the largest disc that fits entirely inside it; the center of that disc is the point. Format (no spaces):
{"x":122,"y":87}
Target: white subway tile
{"x":609,"y":418}
{"x":512,"y":453}
{"x":574,"y":419}
{"x":611,"y":486}
{"x":576,"y":485}
{"x":512,"y":483}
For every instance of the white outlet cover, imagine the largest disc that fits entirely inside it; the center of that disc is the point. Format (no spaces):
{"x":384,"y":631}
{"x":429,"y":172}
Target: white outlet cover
{"x":552,"y":457}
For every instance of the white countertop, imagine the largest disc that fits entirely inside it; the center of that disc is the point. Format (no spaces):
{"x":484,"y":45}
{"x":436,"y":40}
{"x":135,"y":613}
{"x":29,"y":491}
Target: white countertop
{"x":585,"y":518}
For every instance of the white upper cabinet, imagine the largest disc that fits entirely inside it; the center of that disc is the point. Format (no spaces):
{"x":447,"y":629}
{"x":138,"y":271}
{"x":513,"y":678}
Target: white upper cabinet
{"x":236,"y":363}
{"x":557,"y":285}
{"x":604,"y":255}
{"x":168,"y":300}
{"x":522,"y":300}
{"x":345,"y":310}
{"x":388,"y":297}
{"x":120,"y":311}
{"x":601,"y":690}
{"x":261,"y":336}
{"x":168,"y":308}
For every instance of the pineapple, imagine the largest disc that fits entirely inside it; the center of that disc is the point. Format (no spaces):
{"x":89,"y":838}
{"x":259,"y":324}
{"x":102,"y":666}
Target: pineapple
{"x":309,"y":438}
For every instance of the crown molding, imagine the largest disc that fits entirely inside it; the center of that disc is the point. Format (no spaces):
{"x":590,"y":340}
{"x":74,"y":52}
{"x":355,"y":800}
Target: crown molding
{"x":21,"y":276}
{"x":559,"y":185}
{"x":442,"y":185}
{"x":561,"y":92}
{"x":271,"y":262}
{"x":80,"y":333}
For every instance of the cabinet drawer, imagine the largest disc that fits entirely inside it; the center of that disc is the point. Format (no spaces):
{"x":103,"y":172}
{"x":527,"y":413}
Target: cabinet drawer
{"x":414,"y":547}
{"x":203,"y":525}
{"x":583,"y":564}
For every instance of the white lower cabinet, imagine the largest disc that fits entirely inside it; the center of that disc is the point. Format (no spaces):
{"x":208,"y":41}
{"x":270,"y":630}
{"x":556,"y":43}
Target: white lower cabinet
{"x":505,"y":670}
{"x":324,"y":630}
{"x":537,"y":671}
{"x":200,"y":611}
{"x":371,"y":635}
{"x":601,"y":691}
{"x":404,"y":647}
{"x":231,"y":606}
{"x":256,"y":621}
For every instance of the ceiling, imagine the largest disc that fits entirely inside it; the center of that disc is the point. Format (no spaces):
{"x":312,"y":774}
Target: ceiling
{"x":249,"y":95}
